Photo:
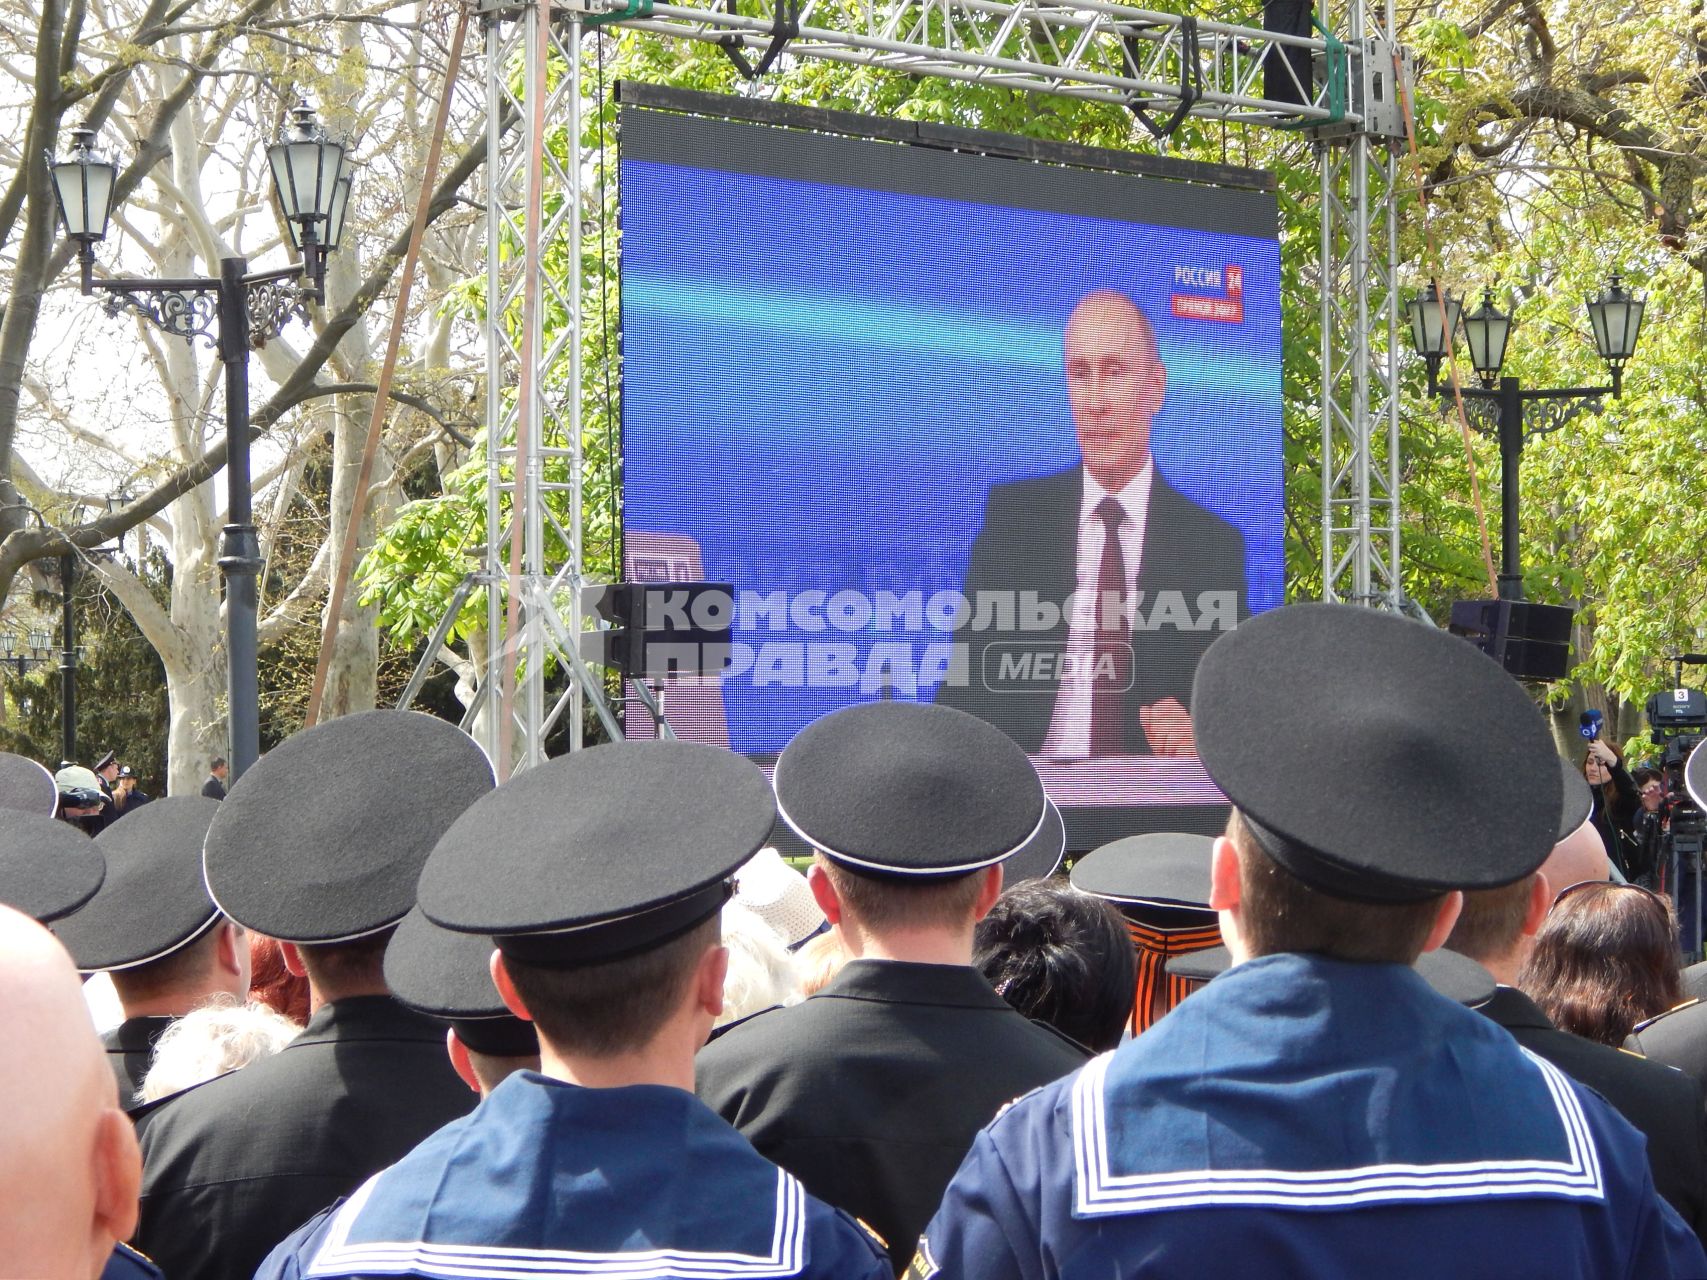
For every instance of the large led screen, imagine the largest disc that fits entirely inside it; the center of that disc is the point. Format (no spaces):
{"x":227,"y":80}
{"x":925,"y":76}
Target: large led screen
{"x":993,"y":433}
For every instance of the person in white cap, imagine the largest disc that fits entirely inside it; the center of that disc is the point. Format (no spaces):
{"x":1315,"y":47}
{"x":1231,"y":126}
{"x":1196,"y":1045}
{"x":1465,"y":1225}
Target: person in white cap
{"x":780,"y":896}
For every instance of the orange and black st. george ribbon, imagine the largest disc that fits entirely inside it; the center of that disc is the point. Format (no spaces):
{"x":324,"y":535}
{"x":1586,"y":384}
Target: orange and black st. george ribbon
{"x":1155,"y":948}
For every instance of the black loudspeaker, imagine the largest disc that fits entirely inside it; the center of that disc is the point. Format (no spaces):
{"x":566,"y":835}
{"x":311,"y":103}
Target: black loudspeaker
{"x":1286,"y":73}
{"x":660,"y":629}
{"x":1531,"y":641}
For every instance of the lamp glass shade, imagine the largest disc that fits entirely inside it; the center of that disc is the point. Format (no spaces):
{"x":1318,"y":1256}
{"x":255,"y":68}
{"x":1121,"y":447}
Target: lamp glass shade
{"x":7,"y":643}
{"x":335,"y":220}
{"x":1487,"y":329}
{"x":305,"y":164}
{"x":293,"y":228}
{"x":1615,"y":313}
{"x":83,"y":189}
{"x":1432,"y":323}
{"x":40,"y":641}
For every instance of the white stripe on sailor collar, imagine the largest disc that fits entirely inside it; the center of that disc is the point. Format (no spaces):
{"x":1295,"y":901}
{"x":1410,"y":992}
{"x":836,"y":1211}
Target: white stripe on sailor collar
{"x":338,"y":1257}
{"x":1100,"y":1193}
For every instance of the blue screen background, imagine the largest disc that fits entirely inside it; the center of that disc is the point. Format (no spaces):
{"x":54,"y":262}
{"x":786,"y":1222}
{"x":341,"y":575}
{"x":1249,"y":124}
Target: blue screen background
{"x":821,"y":382}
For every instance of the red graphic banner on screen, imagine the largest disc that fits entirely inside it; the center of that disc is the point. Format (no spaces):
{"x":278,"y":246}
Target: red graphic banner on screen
{"x":1225,"y":306}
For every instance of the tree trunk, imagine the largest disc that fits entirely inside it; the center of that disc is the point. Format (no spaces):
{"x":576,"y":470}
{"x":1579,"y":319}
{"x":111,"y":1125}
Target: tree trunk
{"x":352,"y":677}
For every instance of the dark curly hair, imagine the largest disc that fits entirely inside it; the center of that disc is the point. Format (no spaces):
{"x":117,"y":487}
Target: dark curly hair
{"x":1062,"y":957}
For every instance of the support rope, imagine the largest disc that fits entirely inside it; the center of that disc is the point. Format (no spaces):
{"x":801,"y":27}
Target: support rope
{"x":346,"y":563}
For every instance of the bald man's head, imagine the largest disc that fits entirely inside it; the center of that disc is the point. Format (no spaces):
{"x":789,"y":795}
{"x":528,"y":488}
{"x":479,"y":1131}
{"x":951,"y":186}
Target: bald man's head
{"x":1579,"y":856}
{"x":69,"y":1166}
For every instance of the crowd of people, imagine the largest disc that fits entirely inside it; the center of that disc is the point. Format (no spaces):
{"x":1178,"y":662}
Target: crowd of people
{"x":589,"y":1022}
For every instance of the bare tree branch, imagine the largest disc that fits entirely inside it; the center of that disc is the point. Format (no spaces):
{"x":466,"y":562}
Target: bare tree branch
{"x":21,"y":546}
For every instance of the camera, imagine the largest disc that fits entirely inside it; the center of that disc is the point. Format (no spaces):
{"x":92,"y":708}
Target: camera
{"x":1677,"y":720}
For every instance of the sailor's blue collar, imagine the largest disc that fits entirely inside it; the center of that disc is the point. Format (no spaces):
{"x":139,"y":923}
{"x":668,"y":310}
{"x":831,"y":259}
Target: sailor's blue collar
{"x":552,"y":1178}
{"x":1298,"y":1081}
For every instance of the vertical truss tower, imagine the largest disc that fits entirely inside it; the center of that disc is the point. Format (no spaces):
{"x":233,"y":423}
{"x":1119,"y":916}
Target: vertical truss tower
{"x":533,"y":407}
{"x":1361,"y":315}
{"x":1159,"y":64}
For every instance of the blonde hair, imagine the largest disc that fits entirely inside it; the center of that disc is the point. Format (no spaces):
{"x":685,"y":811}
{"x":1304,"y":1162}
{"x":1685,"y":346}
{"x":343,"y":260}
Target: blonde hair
{"x":220,"y":1036}
{"x":761,"y":971}
{"x":818,"y":962}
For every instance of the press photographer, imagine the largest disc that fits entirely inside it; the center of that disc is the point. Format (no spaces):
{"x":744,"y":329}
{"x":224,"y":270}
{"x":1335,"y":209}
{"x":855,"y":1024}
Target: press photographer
{"x":1646,"y":838}
{"x":1678,"y":720}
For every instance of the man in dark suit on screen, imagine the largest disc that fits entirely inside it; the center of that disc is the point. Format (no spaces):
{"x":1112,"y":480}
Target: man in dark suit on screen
{"x":1115,"y":582}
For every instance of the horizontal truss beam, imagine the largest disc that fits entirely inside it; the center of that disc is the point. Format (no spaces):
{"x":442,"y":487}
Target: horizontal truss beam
{"x":1088,"y":49}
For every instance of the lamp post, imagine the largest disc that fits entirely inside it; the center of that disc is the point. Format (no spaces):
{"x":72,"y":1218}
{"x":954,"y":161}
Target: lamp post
{"x":67,"y":660}
{"x":40,"y":643}
{"x":237,"y":311}
{"x":33,"y":653}
{"x":1519,"y":413}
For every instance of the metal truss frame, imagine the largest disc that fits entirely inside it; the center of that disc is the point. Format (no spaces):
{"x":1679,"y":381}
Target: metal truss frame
{"x":1085,"y":49}
{"x":532,"y":559}
{"x":1162,"y":63}
{"x":1361,"y":326}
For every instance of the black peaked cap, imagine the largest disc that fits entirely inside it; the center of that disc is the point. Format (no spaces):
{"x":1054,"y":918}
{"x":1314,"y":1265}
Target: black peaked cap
{"x":154,"y":899}
{"x":448,"y":975}
{"x":105,"y":760}
{"x":1578,"y":799}
{"x":904,"y":789}
{"x":323,"y":839}
{"x":601,"y":853}
{"x":1360,"y":744}
{"x":48,"y":868}
{"x":1160,"y":868}
{"x":26,"y":785}
{"x":1042,"y":854}
{"x":1455,"y":976}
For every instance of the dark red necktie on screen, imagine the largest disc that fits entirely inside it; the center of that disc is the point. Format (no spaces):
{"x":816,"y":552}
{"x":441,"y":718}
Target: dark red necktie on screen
{"x":1112,"y":672}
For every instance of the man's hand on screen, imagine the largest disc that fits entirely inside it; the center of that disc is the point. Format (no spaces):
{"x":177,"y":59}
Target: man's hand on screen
{"x":1167,"y":726}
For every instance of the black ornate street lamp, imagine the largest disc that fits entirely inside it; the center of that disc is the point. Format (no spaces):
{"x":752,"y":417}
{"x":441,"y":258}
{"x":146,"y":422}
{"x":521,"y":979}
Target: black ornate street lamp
{"x":25,"y":650}
{"x":237,"y":312}
{"x":1515,"y":412}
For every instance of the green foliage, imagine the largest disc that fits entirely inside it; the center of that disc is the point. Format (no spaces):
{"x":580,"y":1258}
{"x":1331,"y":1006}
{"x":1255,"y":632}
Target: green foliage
{"x":415,"y":567}
{"x":120,"y":690}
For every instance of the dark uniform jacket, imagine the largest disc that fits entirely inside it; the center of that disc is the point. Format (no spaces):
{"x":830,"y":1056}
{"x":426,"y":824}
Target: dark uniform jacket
{"x":1695,"y":981}
{"x":108,"y":814}
{"x":233,"y":1166}
{"x":130,"y":1050}
{"x":1666,"y":1105}
{"x":213,"y":788}
{"x":871,"y":1091}
{"x":1029,"y":544}
{"x":1677,"y":1038}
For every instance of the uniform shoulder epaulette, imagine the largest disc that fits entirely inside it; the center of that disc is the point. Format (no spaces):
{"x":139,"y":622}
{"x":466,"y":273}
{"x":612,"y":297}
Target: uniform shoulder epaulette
{"x":127,"y":1264}
{"x":1013,"y":1102}
{"x":138,"y":1111}
{"x":1676,"y":1008}
{"x":1063,"y":1037}
{"x":718,"y":1032}
{"x":923,"y":1266}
